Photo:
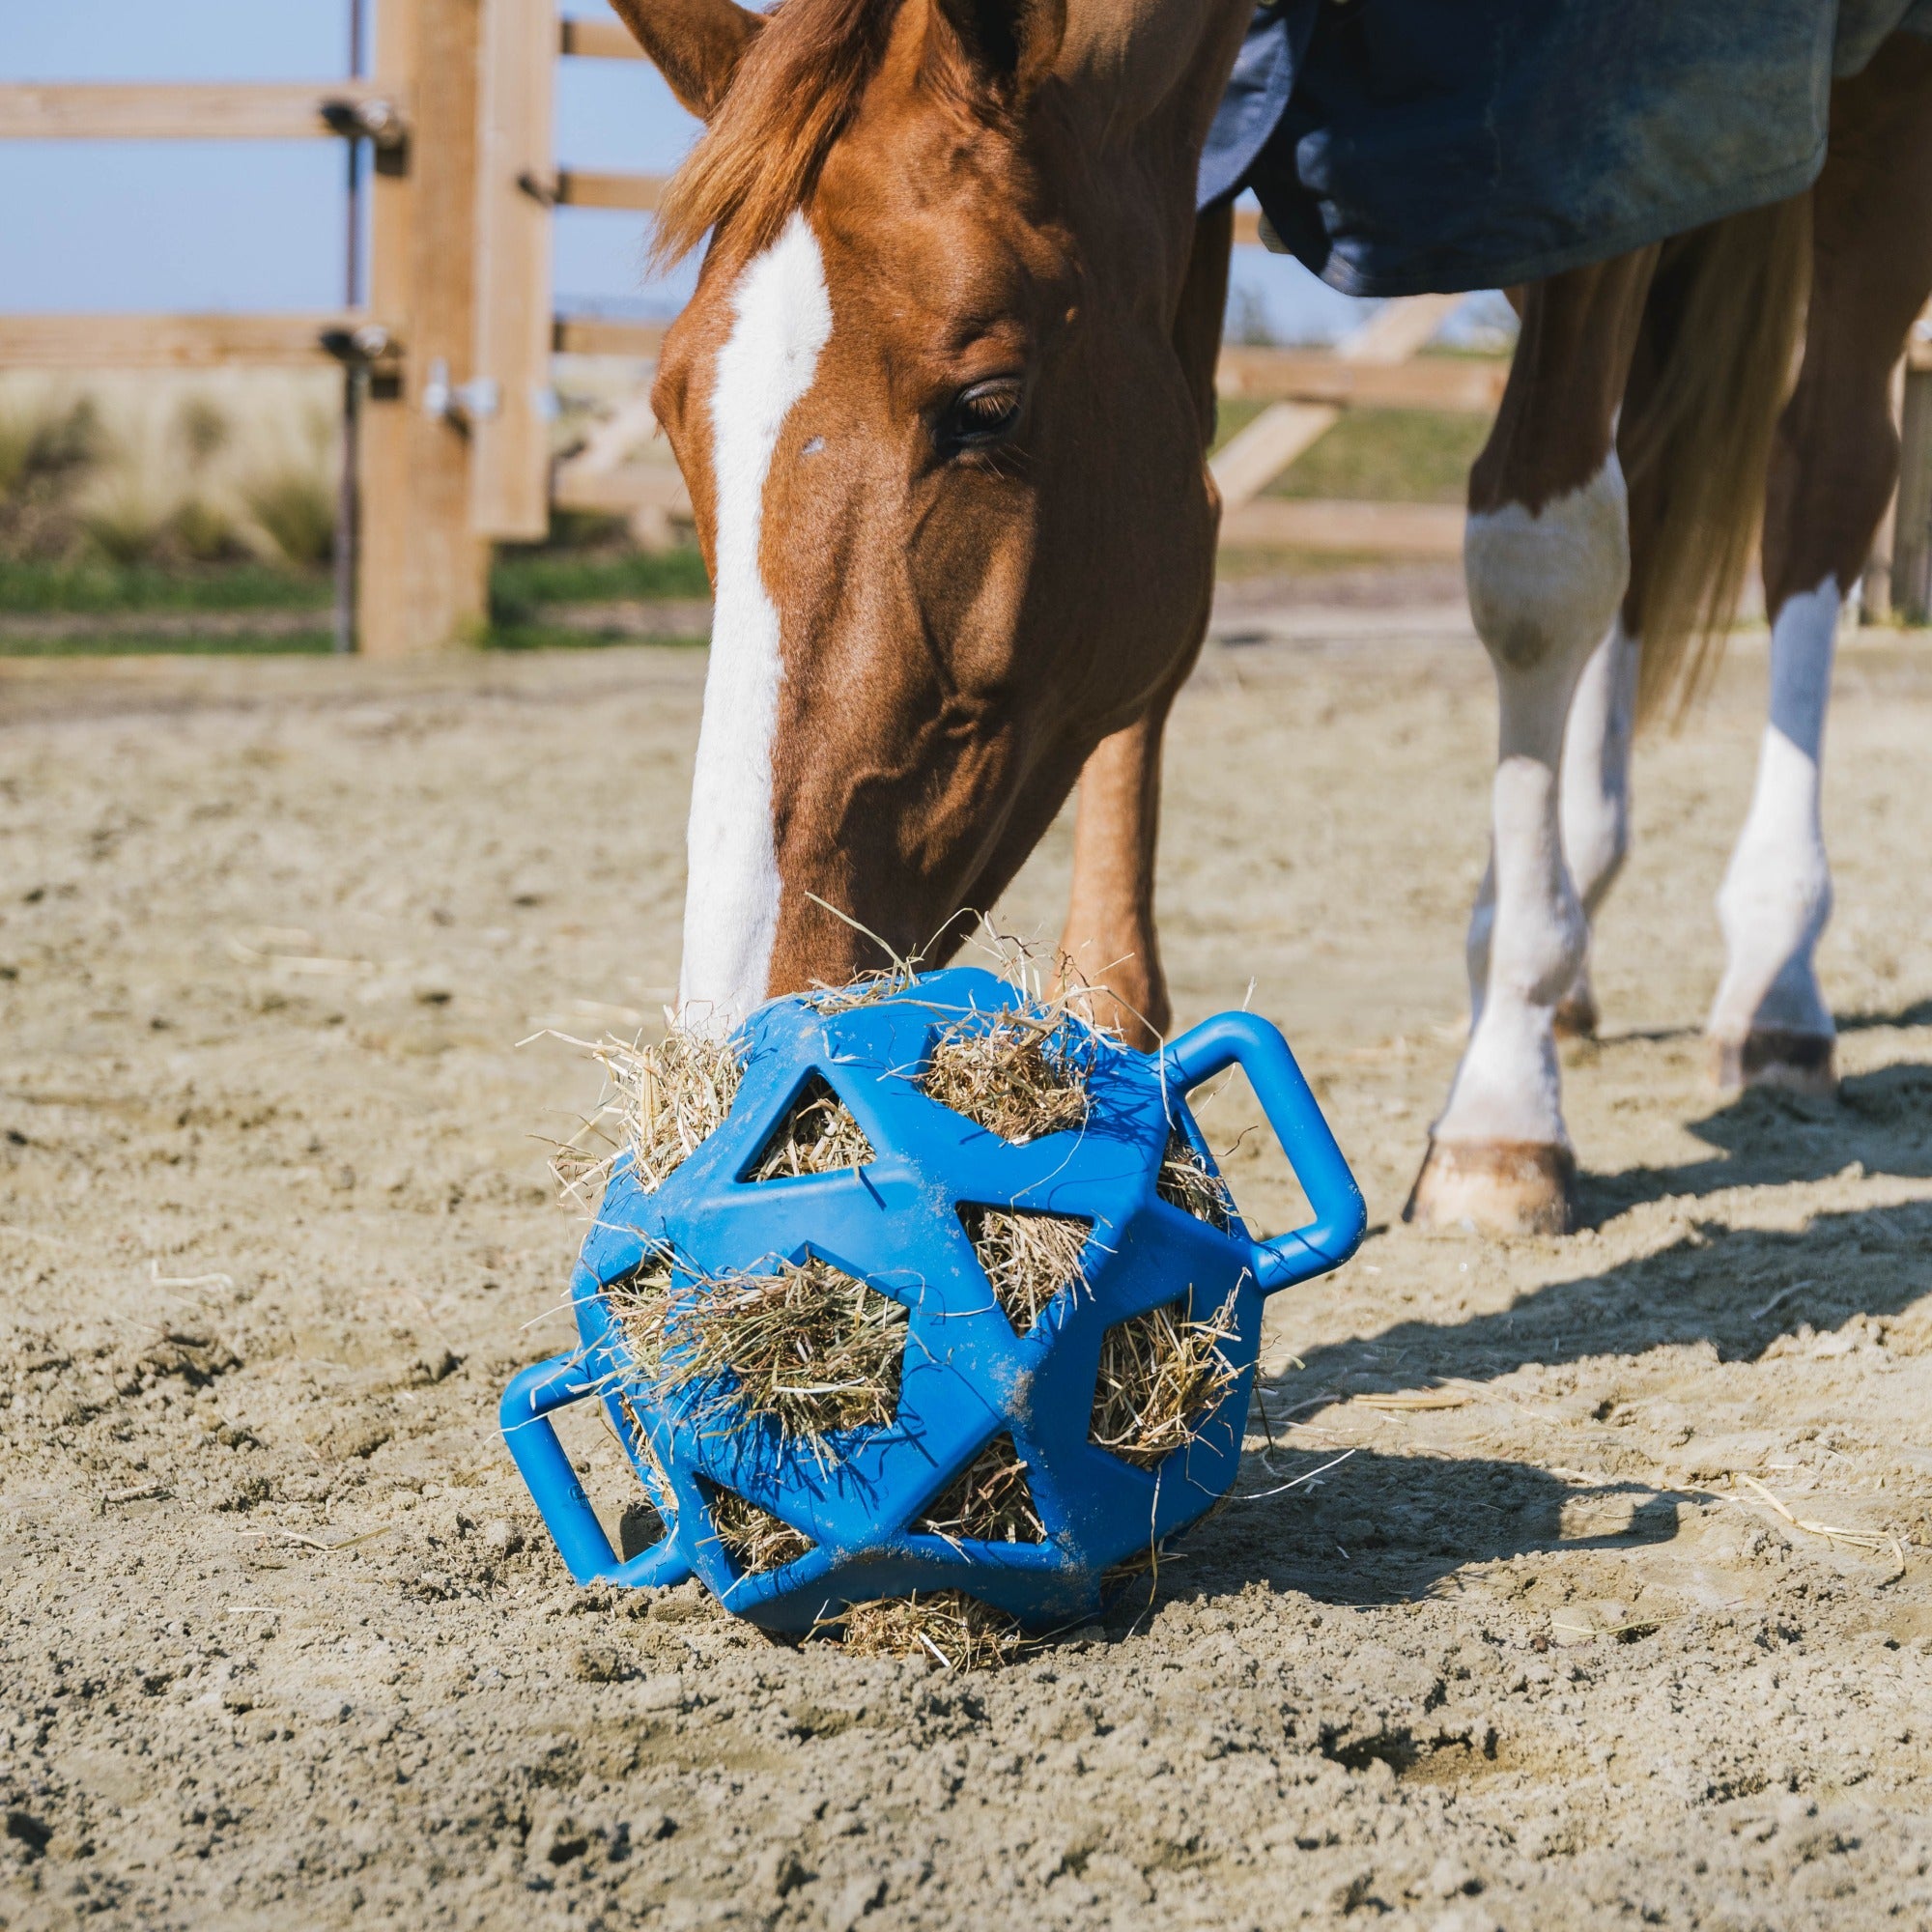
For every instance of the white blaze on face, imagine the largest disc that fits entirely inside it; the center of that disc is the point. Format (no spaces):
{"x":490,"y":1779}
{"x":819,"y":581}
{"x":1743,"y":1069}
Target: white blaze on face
{"x":782,"y":319}
{"x":1776,"y":894}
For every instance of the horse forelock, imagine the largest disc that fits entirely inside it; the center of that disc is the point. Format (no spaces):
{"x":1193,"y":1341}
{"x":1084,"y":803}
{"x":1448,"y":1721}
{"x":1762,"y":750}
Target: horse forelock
{"x":794,"y":94}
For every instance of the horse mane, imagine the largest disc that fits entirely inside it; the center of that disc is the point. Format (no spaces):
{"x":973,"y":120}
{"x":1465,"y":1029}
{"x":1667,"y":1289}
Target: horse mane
{"x":796,"y":89}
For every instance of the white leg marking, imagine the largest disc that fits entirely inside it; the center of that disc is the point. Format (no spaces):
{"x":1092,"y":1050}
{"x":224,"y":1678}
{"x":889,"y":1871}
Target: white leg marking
{"x":1596,"y":767}
{"x":783,"y":321}
{"x":1595,"y":784}
{"x":1776,"y":893}
{"x":1542,"y":590}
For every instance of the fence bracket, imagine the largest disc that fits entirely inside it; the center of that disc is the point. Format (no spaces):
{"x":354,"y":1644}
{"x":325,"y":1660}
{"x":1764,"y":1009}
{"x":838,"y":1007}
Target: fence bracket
{"x":372,"y":119}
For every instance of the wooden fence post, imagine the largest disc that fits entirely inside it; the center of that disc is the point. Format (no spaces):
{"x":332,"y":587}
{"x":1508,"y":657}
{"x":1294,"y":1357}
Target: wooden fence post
{"x":425,"y":573}
{"x":510,"y":454}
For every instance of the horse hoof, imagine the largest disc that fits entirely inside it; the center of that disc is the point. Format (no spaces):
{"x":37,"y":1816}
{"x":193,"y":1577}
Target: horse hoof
{"x":1575,"y":1017}
{"x":1800,"y":1063}
{"x":1504,"y":1188}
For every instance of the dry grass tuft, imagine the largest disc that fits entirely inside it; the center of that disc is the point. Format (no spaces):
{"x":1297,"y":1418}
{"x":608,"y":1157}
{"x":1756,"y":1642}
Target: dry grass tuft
{"x":1029,"y":1257}
{"x":819,"y":1136}
{"x":955,"y":1631}
{"x":1186,"y":1182}
{"x":1018,"y":1074}
{"x":755,"y":1540}
{"x":667,"y":1098}
{"x":807,"y":1346}
{"x":881,"y":982}
{"x":1160,"y":1373}
{"x":989,"y":1502}
{"x":640,"y":1302}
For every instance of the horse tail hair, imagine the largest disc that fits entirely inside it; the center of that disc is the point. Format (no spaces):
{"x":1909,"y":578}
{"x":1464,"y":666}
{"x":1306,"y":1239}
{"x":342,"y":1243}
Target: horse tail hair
{"x":1713,"y":367}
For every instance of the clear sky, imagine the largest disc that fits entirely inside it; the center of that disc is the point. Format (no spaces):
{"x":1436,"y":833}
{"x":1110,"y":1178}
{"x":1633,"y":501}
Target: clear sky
{"x":258,"y":225}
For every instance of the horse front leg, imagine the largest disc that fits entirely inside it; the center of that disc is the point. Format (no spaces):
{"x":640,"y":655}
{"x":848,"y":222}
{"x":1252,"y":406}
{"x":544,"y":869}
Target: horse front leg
{"x":1833,"y":465}
{"x":1597,"y":801}
{"x":1546,"y":553}
{"x":1110,"y":953}
{"x":1112,"y":957}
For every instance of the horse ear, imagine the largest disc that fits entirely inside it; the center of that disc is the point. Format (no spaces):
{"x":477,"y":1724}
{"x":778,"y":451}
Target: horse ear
{"x":1008,"y":46}
{"x":696,"y":45}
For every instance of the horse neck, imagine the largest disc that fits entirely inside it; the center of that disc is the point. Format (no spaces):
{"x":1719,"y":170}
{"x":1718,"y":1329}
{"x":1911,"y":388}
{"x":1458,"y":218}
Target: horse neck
{"x":1157,"y":66}
{"x":1142,"y":80}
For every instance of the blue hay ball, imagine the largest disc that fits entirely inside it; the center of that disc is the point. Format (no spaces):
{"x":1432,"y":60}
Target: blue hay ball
{"x":967,"y":1380}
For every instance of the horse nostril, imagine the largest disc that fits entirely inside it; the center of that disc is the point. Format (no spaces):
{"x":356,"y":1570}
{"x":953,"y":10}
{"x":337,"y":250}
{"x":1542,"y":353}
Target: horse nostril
{"x":813,"y":447}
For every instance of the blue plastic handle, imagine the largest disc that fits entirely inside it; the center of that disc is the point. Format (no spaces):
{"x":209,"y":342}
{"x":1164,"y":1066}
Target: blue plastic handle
{"x":1341,"y":1216}
{"x":525,"y":1413}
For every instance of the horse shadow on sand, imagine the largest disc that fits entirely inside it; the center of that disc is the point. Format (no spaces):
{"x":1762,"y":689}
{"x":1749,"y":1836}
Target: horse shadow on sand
{"x":1387,"y":1528}
{"x":1767,"y":1138}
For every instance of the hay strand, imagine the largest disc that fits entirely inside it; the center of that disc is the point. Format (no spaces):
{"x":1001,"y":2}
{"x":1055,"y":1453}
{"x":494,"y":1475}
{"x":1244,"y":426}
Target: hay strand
{"x":989,"y":1501}
{"x":1017,"y":1074}
{"x":819,"y":1136}
{"x":1029,"y":1257}
{"x":952,"y":1630}
{"x":1160,"y":1373}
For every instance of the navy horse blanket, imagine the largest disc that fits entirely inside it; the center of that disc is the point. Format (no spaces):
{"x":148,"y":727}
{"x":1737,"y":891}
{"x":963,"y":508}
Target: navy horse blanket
{"x":1400,"y":147}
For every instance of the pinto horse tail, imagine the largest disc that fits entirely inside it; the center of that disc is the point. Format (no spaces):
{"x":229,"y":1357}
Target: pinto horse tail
{"x":1715,"y":360}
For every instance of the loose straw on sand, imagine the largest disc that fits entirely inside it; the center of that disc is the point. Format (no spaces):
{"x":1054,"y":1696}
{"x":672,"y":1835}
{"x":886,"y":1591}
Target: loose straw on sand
{"x":1852,"y":1539}
{"x":957,"y":1632}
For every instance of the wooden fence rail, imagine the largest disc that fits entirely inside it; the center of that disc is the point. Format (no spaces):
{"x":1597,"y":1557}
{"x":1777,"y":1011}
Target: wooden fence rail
{"x":223,"y":111}
{"x":187,"y":341}
{"x":452,"y":354}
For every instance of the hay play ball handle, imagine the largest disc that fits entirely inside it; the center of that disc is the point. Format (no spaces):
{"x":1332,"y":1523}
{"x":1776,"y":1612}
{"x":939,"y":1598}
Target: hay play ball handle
{"x":1248,"y":1042}
{"x":529,"y":1401}
{"x":1021,"y":1451}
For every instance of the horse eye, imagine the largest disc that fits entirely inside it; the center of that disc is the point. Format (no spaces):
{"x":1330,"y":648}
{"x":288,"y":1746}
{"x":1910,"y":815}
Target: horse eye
{"x":986,"y":413}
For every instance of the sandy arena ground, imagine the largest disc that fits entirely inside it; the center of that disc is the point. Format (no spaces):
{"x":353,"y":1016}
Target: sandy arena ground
{"x":1559,"y":1644}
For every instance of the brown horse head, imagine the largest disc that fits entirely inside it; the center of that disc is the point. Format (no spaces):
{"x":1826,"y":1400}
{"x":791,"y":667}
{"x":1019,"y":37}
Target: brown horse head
{"x":945,"y":456}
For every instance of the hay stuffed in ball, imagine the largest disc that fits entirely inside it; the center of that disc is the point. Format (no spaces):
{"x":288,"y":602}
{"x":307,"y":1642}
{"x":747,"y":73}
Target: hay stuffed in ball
{"x":989,"y":1502}
{"x":806,"y":1345}
{"x":1161,"y":1375}
{"x":1187,"y":1181}
{"x":759,"y":1540}
{"x":1029,"y":1257}
{"x":1020,"y":1074}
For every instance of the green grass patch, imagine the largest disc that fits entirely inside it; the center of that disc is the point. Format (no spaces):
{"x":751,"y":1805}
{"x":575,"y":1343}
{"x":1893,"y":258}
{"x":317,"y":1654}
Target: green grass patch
{"x":539,"y":637}
{"x":1389,"y":456}
{"x":101,"y":588}
{"x":1378,"y":455}
{"x":132,"y":644}
{"x":521,"y":582}
{"x":524,"y":580}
